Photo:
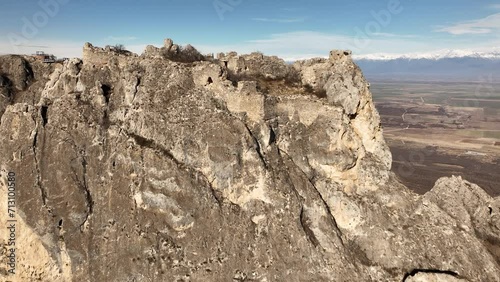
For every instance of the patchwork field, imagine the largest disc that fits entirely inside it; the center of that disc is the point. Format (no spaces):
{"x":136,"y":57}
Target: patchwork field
{"x":440,"y":129}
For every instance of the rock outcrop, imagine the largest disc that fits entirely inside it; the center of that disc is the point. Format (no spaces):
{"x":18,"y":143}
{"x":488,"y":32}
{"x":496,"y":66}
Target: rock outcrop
{"x":140,"y":168}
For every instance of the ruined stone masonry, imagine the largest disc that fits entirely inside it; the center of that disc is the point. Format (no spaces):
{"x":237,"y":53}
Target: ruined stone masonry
{"x":167,"y":166}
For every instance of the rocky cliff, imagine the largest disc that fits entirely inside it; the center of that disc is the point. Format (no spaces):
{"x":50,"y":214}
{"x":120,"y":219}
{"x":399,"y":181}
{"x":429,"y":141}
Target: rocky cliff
{"x":240,"y":168}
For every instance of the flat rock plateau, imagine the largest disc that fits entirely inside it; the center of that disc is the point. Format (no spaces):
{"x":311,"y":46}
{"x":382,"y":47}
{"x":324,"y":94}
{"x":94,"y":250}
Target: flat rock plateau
{"x":172,"y":166}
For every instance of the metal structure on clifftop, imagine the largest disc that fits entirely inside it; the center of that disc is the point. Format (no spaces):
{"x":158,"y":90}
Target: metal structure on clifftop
{"x":46,"y":58}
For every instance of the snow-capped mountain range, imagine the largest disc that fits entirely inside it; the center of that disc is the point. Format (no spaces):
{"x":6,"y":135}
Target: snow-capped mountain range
{"x":438,"y":55}
{"x":445,"y":65}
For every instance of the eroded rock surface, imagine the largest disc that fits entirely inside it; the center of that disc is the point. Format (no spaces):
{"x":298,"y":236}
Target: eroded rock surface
{"x":139,"y":168}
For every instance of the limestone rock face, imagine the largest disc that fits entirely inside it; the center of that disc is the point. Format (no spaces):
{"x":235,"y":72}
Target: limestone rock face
{"x":17,"y":71}
{"x":139,"y":168}
{"x":17,"y":81}
{"x":256,"y":64}
{"x":15,"y":75}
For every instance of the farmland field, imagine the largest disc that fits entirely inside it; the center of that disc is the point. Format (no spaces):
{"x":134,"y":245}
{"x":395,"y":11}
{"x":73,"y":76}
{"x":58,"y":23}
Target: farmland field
{"x":442,"y":129}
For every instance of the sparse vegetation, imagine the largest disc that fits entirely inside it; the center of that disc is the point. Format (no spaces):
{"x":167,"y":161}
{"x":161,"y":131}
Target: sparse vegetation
{"x":257,"y":53}
{"x":293,"y":77}
{"x":309,"y":88}
{"x":290,"y":85}
{"x":320,"y":93}
{"x":184,"y":54}
{"x":119,"y":48}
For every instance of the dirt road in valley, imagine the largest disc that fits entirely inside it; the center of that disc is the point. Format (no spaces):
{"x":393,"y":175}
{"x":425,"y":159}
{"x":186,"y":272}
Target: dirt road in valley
{"x":435,"y":133}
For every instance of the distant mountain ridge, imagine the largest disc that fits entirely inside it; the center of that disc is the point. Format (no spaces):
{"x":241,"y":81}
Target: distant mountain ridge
{"x":438,"y":55}
{"x":445,"y":65}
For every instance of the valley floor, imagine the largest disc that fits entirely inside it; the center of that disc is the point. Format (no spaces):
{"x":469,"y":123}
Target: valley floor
{"x":442,"y":129}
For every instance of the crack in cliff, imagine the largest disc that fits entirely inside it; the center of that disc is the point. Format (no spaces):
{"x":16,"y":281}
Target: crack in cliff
{"x":107,"y":91}
{"x":431,"y":271}
{"x":305,"y":226}
{"x":323,"y":201}
{"x":257,"y":147}
{"x":43,"y":192}
{"x":214,"y":192}
{"x":44,"y":113}
{"x":136,"y":88}
{"x":88,"y":195}
{"x":151,"y":144}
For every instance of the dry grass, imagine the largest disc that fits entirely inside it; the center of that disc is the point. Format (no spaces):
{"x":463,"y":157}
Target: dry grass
{"x":291,"y":85}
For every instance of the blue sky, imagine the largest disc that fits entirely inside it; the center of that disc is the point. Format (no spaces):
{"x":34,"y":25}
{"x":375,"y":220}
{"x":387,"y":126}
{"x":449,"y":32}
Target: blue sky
{"x":291,"y":29}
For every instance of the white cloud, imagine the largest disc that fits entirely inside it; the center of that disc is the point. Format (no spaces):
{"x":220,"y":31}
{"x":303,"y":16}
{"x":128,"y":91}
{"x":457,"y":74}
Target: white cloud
{"x":486,"y":25}
{"x":60,"y":49}
{"x":292,"y":20}
{"x":137,"y":48}
{"x":121,"y":38}
{"x":289,"y":46}
{"x":384,"y":34}
{"x":307,"y":44}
